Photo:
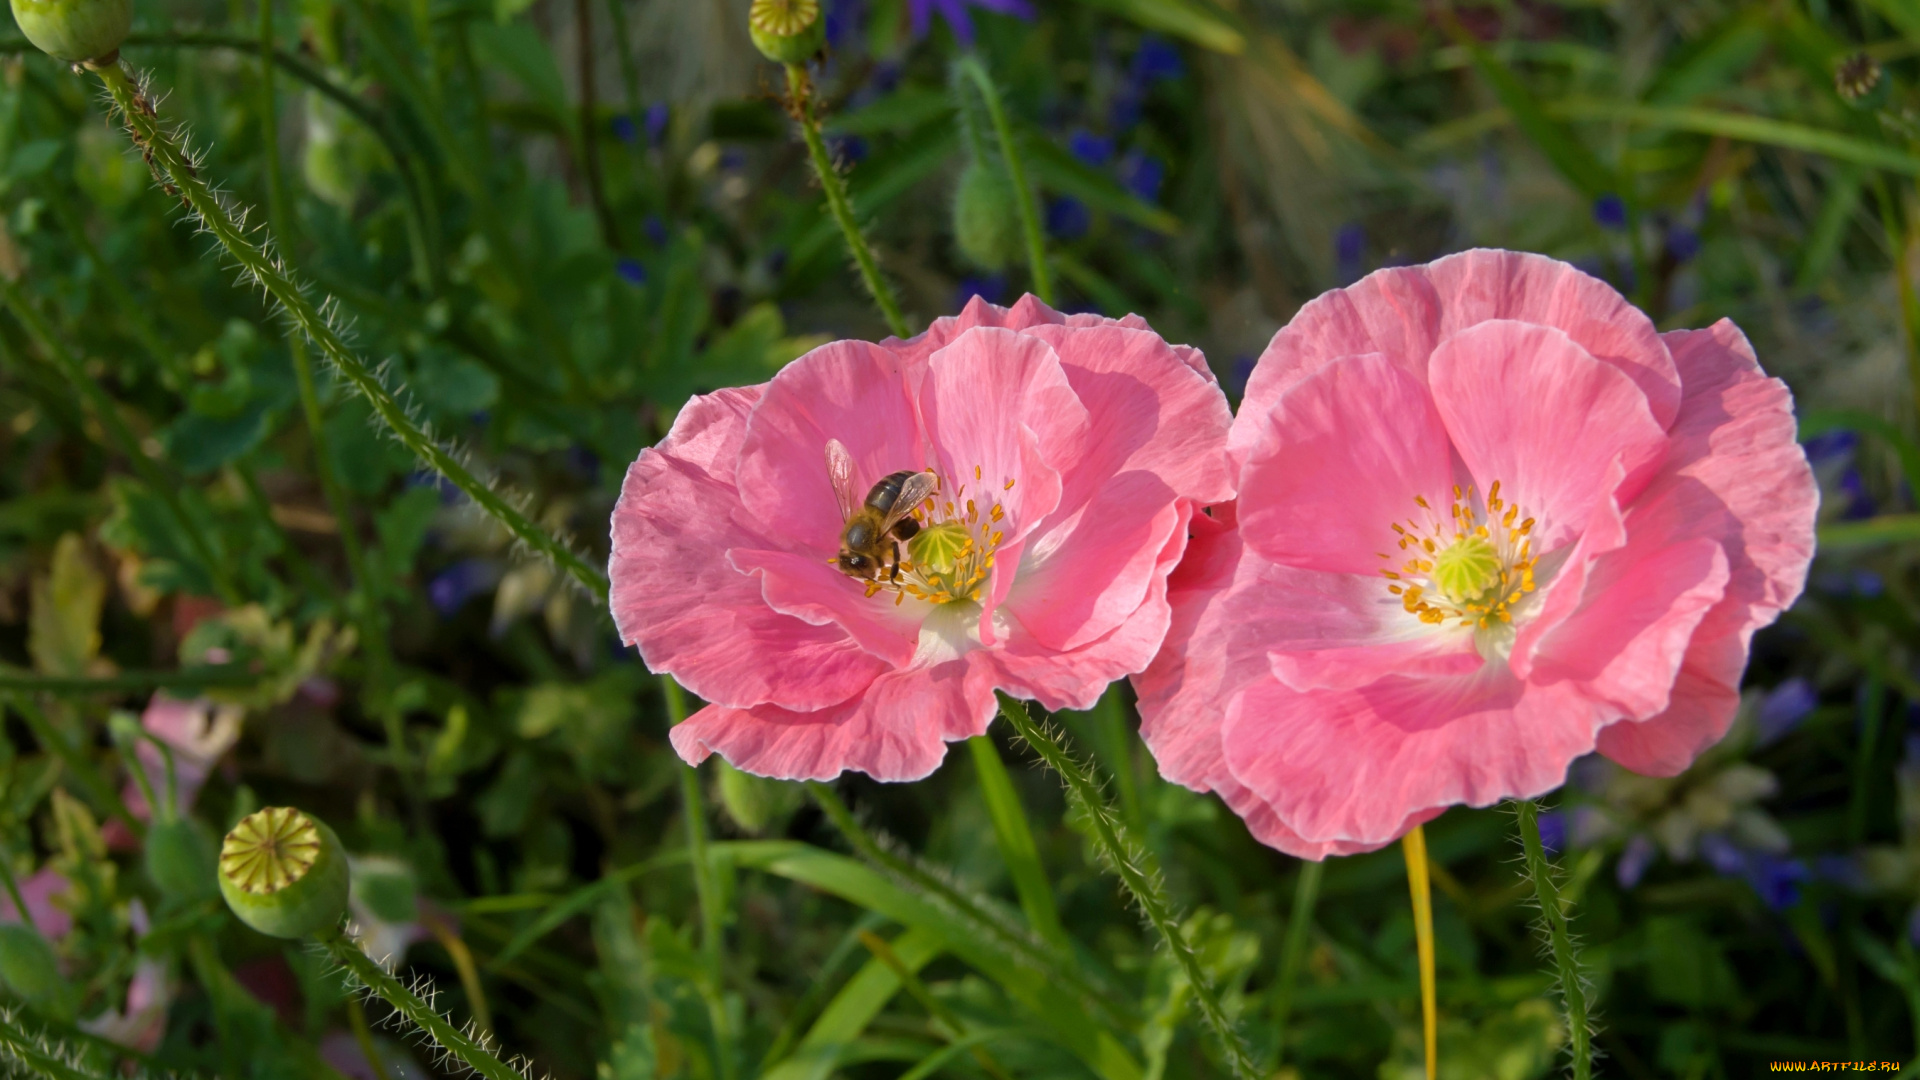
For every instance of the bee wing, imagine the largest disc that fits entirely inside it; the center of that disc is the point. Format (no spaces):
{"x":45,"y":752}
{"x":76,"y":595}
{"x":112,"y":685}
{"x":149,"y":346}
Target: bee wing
{"x":840,"y":472}
{"x":912,"y":493}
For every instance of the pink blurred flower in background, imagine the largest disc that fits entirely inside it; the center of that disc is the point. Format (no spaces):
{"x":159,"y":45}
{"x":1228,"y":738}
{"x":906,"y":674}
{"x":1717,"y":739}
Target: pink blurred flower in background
{"x":1489,"y":519}
{"x":38,"y":891}
{"x":1071,"y":451}
{"x":199,"y":732}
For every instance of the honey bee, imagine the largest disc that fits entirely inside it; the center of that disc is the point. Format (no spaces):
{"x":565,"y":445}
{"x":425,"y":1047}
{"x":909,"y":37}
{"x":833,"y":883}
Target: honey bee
{"x":875,"y":528}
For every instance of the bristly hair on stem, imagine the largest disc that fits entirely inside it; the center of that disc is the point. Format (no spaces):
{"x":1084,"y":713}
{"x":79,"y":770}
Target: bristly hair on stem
{"x":165,"y":150}
{"x":1137,"y":870}
{"x":1557,"y":941}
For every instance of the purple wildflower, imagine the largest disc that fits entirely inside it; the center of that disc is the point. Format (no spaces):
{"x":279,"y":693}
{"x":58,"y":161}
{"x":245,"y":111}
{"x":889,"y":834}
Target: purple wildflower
{"x":1068,"y":218}
{"x":1784,"y":707}
{"x":921,"y":13}
{"x":1639,"y":855}
{"x":1095,"y":150}
{"x":1610,"y":212}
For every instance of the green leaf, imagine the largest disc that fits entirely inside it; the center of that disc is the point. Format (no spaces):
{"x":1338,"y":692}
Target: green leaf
{"x":1198,"y":22}
{"x":577,"y":902}
{"x":906,"y":109}
{"x":1059,"y":1014}
{"x":1713,"y":61}
{"x":1830,"y":228}
{"x":1575,"y":163}
{"x":1883,"y":531}
{"x":853,"y":1008}
{"x":63,"y":634}
{"x":1743,"y":127}
{"x":1017,"y":848}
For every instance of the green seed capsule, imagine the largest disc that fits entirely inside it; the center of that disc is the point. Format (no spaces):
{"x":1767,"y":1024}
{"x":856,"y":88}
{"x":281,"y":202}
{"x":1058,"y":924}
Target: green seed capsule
{"x":755,"y":802}
{"x":182,"y":858}
{"x":75,"y":30}
{"x":986,"y":223}
{"x":31,"y":971}
{"x":787,"y":31}
{"x":284,"y":873}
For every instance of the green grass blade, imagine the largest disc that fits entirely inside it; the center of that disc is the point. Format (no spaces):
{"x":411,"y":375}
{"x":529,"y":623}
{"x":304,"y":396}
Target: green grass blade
{"x":853,"y":1008}
{"x":1015,"y":837}
{"x":1197,"y":22}
{"x":1830,"y":227}
{"x":1743,"y":127}
{"x":577,"y":903}
{"x":1063,"y":1017}
{"x":1575,"y":163}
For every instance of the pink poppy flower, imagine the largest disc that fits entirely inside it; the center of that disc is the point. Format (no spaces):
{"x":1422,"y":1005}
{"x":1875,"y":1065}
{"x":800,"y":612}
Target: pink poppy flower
{"x":1489,"y":520}
{"x":40,"y":891}
{"x":199,"y":732}
{"x":1069,"y":451}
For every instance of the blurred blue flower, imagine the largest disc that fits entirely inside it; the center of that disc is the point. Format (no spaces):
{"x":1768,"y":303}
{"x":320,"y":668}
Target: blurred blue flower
{"x":1068,"y":218}
{"x":1142,"y":174}
{"x":1553,"y":831}
{"x":1349,"y":247}
{"x":991,"y":288}
{"x":844,"y":19}
{"x":1682,"y":243}
{"x":657,"y":117}
{"x":1634,"y":860}
{"x":1157,"y":59}
{"x":847,"y":148}
{"x":1783,"y":708}
{"x":1095,"y":150}
{"x":1829,"y":446}
{"x":625,"y":129}
{"x":631,"y":271}
{"x":1610,"y":212}
{"x":657,"y":230}
{"x":449,"y":492}
{"x":1242,"y":371}
{"x":1776,"y":879}
{"x":1860,"y":505}
{"x":584,"y":462}
{"x":920,"y":14}
{"x":451,"y":588}
{"x":1913,"y":925}
{"x":1843,"y":870}
{"x":1721,"y":854}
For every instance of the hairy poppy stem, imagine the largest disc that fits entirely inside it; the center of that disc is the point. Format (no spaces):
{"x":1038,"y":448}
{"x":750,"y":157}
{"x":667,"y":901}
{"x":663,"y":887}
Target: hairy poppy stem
{"x":468,"y":1051}
{"x":1414,"y":844}
{"x":800,"y":95}
{"x":706,"y":891}
{"x":1554,"y":924}
{"x":1138,"y":871}
{"x":172,"y":164}
{"x":1017,"y":174}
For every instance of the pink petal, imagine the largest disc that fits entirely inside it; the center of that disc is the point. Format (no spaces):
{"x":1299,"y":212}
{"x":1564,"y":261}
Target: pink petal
{"x":1074,"y":678}
{"x":1482,"y":285}
{"x":689,"y":612}
{"x":1183,"y":692}
{"x":1266,"y":826}
{"x":1347,"y":451}
{"x":1026,"y":314}
{"x":1736,"y":476}
{"x":847,"y":390}
{"x":1357,"y":765}
{"x":1427,"y":652}
{"x":813,"y":592}
{"x":897,"y":730}
{"x":39,"y":891}
{"x":1087,"y":574}
{"x":1003,"y":421}
{"x":1528,"y":407}
{"x":1624,"y":645}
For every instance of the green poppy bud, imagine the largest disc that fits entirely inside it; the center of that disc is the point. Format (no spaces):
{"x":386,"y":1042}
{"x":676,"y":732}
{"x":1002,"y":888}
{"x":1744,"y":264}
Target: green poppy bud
{"x":75,"y":30}
{"x":1860,"y":82}
{"x":986,"y":223}
{"x":284,"y":873}
{"x":31,"y":971}
{"x":787,"y":31}
{"x":182,"y":858}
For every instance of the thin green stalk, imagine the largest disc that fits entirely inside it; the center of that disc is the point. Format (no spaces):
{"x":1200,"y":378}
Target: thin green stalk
{"x":363,"y":1034}
{"x":1293,"y":952}
{"x":1420,"y":885}
{"x":1017,"y":173}
{"x":1554,"y":923}
{"x":152,"y":137}
{"x":473,"y":1053}
{"x":956,"y":1027}
{"x":1873,"y":707}
{"x":1138,"y":871}
{"x":705,"y":890}
{"x":130,"y":681}
{"x":800,"y":95}
{"x":13,"y":894}
{"x":1013,"y":937}
{"x":104,"y":410}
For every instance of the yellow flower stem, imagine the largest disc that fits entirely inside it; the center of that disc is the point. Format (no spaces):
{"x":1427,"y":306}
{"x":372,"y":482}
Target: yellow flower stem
{"x":1414,"y":844}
